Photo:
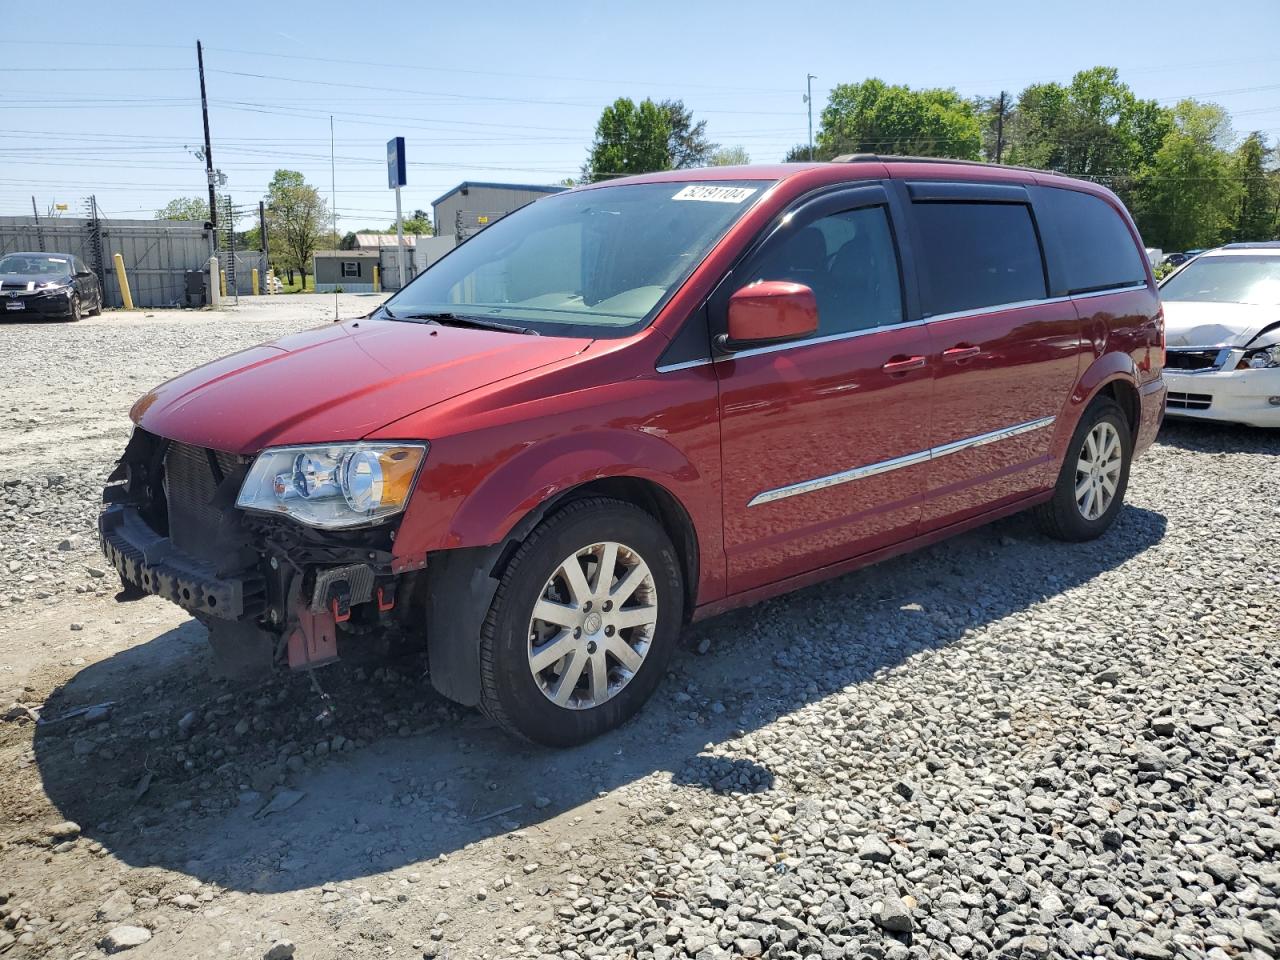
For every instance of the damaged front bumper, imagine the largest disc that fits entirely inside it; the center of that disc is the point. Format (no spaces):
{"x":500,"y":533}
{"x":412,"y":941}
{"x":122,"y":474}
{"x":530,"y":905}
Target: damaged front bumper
{"x":149,"y":563}
{"x":263,"y":585}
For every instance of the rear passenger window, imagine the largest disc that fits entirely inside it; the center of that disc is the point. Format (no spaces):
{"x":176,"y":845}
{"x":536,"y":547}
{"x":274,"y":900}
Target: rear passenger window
{"x":978,"y":255}
{"x":849,"y":261}
{"x":1097,"y":248}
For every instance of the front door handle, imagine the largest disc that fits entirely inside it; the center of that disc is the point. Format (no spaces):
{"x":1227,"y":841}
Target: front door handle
{"x":903,"y":364}
{"x":961,"y":352}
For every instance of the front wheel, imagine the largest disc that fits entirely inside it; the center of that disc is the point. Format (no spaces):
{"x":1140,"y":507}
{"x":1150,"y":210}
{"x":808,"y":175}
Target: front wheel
{"x":1091,"y":487}
{"x":583,"y":623}
{"x":76,"y":312}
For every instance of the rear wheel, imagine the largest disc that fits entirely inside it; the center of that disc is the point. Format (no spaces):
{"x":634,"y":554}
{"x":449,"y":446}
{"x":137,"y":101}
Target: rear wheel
{"x":1091,"y":487}
{"x":96,"y":309}
{"x":582,"y":625}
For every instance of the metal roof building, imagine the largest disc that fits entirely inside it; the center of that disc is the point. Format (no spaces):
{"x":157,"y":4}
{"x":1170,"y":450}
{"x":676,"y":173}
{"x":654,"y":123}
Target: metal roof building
{"x":473,"y":205}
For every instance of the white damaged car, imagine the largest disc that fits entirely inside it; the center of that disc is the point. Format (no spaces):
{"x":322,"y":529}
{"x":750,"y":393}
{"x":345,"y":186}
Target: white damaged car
{"x":1222,"y":335}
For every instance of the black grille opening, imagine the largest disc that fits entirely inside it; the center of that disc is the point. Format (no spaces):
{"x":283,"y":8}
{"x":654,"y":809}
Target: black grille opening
{"x":195,"y":523}
{"x":1189,"y":401}
{"x":1191,"y":359}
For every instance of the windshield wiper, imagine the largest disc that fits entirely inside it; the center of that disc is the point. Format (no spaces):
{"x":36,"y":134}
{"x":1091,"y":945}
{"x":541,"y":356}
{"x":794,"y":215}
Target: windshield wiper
{"x":462,"y":320}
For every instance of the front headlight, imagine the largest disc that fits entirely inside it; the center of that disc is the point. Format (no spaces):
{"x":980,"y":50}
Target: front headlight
{"x":332,"y":486}
{"x":1260,"y":359}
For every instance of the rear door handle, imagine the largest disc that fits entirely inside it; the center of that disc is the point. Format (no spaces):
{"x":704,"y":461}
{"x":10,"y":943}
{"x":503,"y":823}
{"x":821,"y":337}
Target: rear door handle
{"x":904,"y":364}
{"x":961,"y":352}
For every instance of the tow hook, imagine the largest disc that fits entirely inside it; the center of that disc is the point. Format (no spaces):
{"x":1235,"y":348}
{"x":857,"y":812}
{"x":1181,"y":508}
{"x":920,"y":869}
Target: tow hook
{"x":387,"y":597}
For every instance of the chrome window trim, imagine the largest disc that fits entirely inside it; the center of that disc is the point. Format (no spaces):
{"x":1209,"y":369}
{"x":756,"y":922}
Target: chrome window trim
{"x":897,"y":463}
{"x":1110,"y":290}
{"x":936,"y":318}
{"x":683,"y":365}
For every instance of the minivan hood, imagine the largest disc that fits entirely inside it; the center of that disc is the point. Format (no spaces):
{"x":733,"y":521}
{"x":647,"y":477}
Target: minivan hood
{"x":1199,"y":323}
{"x":336,"y":383}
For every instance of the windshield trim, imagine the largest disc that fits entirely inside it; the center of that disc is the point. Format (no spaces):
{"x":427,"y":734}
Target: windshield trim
{"x":763,"y":187}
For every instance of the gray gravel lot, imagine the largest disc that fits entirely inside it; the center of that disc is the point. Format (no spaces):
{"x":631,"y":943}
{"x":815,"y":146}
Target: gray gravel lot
{"x":1000,"y":746}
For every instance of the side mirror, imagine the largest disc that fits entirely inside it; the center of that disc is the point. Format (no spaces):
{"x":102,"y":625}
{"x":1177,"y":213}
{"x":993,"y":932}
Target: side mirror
{"x":771,"y":311}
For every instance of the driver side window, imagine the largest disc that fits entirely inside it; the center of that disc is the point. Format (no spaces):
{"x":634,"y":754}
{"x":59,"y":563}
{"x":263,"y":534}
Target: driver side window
{"x":849,"y":261}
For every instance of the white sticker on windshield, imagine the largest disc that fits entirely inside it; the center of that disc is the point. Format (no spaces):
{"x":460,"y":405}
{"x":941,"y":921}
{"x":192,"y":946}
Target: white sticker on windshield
{"x":714,"y":194}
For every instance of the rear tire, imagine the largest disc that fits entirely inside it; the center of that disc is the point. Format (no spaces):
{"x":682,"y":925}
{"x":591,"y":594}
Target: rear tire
{"x":96,"y":309}
{"x":602,"y":642}
{"x":1094,"y":476}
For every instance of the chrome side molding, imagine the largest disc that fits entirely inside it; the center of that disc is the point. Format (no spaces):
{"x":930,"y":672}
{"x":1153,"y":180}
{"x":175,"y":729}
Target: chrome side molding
{"x":897,"y":463}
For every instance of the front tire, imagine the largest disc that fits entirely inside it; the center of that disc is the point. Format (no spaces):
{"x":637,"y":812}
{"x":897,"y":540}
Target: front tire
{"x":583,"y":623}
{"x":1095,"y":474}
{"x":76,"y":313}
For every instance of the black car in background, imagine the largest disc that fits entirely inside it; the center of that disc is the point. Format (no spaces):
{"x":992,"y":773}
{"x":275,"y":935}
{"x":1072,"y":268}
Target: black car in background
{"x":38,"y":285}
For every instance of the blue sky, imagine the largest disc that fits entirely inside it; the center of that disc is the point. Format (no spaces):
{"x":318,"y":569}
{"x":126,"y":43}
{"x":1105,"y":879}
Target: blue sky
{"x":511,"y":91}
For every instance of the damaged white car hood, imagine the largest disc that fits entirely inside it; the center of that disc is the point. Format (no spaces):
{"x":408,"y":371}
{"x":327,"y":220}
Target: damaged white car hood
{"x":1200,"y":323}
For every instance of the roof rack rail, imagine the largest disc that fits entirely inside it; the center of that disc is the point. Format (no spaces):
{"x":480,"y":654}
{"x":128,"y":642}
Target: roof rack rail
{"x":878,"y":158}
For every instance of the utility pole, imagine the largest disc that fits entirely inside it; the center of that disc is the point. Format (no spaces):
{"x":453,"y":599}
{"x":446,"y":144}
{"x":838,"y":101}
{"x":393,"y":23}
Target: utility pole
{"x":208,"y":147}
{"x":1000,"y":130}
{"x":333,"y":199}
{"x":808,"y":98}
{"x":263,"y":246}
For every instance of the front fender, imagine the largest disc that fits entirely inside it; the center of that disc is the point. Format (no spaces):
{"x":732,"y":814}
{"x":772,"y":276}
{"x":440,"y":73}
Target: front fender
{"x":554,"y":465}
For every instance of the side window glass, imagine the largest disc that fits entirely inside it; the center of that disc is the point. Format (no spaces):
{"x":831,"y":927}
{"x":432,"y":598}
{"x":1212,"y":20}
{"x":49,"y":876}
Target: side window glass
{"x":849,"y":261}
{"x":1097,"y":247}
{"x":978,"y":255}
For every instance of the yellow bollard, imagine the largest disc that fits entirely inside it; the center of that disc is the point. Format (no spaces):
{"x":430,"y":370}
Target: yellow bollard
{"x":222,"y":281}
{"x":124,"y":282}
{"x":254,"y":276}
{"x":377,"y":280}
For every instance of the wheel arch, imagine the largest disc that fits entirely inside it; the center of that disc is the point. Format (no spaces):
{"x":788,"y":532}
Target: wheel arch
{"x":458,"y":586}
{"x":1113,"y":374}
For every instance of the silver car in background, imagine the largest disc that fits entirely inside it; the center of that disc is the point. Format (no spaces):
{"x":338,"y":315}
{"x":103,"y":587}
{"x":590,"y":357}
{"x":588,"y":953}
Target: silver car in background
{"x":1222,"y":334}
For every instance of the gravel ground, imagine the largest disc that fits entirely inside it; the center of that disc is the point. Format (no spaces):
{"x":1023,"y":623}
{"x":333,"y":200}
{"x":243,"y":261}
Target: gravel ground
{"x":1000,"y":746}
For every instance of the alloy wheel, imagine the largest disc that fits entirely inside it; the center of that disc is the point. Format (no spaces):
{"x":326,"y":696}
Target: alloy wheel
{"x":1098,"y":470}
{"x":592,"y":625}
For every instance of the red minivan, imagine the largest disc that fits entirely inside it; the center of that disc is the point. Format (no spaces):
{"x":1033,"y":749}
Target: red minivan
{"x":644,"y":402}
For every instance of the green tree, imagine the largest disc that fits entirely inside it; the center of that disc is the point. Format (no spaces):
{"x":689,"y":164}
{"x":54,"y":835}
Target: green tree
{"x":185,"y":208}
{"x":874,"y":117}
{"x":1258,"y":197}
{"x":1093,"y":127}
{"x":729,"y":157}
{"x":629,"y":139}
{"x":800,"y":154}
{"x":1188,"y":195}
{"x":297,"y":218}
{"x":418,"y":225}
{"x":687,"y":142}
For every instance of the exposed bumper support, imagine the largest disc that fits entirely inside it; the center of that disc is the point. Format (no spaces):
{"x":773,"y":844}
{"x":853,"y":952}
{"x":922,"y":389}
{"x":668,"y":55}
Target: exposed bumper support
{"x":150,"y":562}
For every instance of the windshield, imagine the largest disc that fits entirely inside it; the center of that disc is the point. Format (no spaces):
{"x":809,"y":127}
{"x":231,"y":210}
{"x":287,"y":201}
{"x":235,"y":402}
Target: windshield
{"x":1226,"y":279}
{"x":595,"y":262}
{"x":34,"y":263}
